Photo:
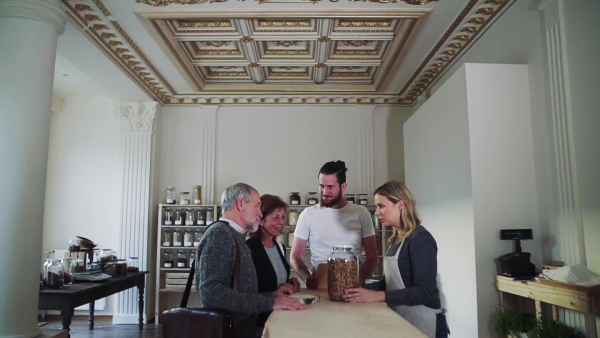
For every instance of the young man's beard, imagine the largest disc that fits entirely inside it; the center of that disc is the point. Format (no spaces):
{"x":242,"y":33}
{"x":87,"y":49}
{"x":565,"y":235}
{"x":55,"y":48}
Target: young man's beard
{"x":333,"y":202}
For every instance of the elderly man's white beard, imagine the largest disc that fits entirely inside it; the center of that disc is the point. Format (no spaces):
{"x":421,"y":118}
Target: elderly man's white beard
{"x":254,"y":227}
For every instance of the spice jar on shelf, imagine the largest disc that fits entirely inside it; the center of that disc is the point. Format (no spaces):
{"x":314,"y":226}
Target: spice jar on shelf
{"x":197,"y":194}
{"x":312,"y":198}
{"x":363,"y":199}
{"x":342,"y":271}
{"x":170,"y":195}
{"x":197,"y":238}
{"x":209,"y":217}
{"x":182,"y":259}
{"x":200,"y":216}
{"x":295,"y":198}
{"x":177,"y":237}
{"x":185,"y":197}
{"x":350,"y":198}
{"x":191,"y":258}
{"x":167,"y":237}
{"x":179,"y":216}
{"x":188,"y":238}
{"x":55,"y":274}
{"x":168,"y":217}
{"x":190,"y":217}
{"x":293,"y":217}
{"x":168,"y":259}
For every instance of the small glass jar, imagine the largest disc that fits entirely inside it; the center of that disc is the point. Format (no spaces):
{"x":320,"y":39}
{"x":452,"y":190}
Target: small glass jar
{"x":177,"y":237}
{"x":133,"y":264}
{"x":363,"y":199}
{"x":295,"y":198}
{"x":168,"y":259}
{"x":185,"y":197}
{"x":45,"y":270}
{"x":182,"y":259}
{"x":312,"y":198}
{"x":200,"y":216}
{"x":197,"y":238}
{"x":168,"y":217}
{"x":209,"y":217}
{"x":342,"y":272}
{"x":170,"y":195}
{"x":55,"y":274}
{"x":293,"y":217}
{"x":191,"y":258}
{"x":190,"y":217}
{"x":179,"y":216}
{"x":121,"y":267}
{"x":197,"y":194}
{"x":106,"y":256}
{"x":67,"y":277}
{"x":350,"y":198}
{"x":167,"y":237}
{"x":188,"y":238}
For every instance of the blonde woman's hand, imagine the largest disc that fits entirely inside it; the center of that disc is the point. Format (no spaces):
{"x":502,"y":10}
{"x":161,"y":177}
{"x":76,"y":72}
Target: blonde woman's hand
{"x":360,"y":295}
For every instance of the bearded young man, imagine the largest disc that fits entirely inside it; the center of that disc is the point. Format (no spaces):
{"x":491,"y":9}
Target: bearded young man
{"x":330,"y":223}
{"x":215,"y":261}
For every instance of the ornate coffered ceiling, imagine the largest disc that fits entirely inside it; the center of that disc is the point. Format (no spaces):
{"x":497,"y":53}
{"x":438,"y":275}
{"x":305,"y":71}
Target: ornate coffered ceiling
{"x":278,"y":56}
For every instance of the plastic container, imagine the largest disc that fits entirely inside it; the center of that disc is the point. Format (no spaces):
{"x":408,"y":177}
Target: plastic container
{"x":295,"y":198}
{"x":197,"y":194}
{"x":55,"y":274}
{"x":170,"y":195}
{"x":342,"y":272}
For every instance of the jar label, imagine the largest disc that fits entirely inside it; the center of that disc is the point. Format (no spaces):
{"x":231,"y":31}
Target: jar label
{"x":168,"y":265}
{"x":349,"y":201}
{"x":197,"y":201}
{"x":364,"y":202}
{"x":168,"y":222}
{"x":166,"y":243}
{"x":312,"y":202}
{"x":177,"y":222}
{"x":196,"y":243}
{"x":176,"y":243}
{"x":189,"y":222}
{"x":170,"y":201}
{"x":295,"y":202}
{"x":200,"y":222}
{"x":187,"y":243}
{"x":185,"y":202}
{"x":180,"y":264}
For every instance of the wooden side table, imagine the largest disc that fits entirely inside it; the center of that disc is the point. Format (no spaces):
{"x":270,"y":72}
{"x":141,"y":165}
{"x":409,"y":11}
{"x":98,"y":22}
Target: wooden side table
{"x":557,"y":294}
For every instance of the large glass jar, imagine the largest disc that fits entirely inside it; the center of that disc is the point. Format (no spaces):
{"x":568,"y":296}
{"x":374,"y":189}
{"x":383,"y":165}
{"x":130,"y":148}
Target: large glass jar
{"x":55,"y":274}
{"x":197,"y":237}
{"x":185,"y":197}
{"x":107,"y":256}
{"x":200,"y":216}
{"x":295,"y":198}
{"x":133,"y":264}
{"x":197,"y":194}
{"x":188,"y":238}
{"x":168,"y":217}
{"x":209,"y":217}
{"x":170,"y":195}
{"x":292,"y":217}
{"x":177,"y":237}
{"x":342,"y":272}
{"x":167,"y":237}
{"x":168,"y":259}
{"x":77,"y":266}
{"x":179,"y":216}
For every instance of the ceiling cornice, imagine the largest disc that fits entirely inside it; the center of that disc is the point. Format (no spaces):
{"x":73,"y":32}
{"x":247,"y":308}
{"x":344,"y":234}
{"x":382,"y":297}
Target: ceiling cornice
{"x":96,"y":21}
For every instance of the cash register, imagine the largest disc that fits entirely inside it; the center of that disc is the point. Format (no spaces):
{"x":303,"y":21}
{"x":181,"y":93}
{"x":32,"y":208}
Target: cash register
{"x":516,"y":264}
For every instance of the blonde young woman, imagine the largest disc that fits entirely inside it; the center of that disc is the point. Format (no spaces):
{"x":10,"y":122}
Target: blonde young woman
{"x":410,"y":264}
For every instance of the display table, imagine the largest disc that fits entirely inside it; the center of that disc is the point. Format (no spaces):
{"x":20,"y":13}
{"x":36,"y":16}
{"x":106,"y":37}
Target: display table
{"x":581,"y":299}
{"x":339,"y":319}
{"x":80,"y":293}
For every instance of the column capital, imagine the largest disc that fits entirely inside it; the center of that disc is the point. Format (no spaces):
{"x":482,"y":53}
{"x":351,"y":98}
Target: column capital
{"x":46,"y":11}
{"x":543,"y":4}
{"x":137,"y":116}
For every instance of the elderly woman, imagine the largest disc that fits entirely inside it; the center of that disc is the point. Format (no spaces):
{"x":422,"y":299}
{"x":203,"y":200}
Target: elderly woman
{"x":268,"y":254}
{"x":410,"y":264}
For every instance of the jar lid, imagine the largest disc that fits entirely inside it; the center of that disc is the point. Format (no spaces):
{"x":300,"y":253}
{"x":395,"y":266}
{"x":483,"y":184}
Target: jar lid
{"x":294,"y":193}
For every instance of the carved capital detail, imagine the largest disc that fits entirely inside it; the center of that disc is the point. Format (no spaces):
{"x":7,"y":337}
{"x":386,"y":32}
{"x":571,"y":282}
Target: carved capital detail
{"x":137,"y":116}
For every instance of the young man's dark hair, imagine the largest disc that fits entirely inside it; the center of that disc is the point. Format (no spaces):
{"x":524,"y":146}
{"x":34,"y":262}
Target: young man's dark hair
{"x":335,"y":167}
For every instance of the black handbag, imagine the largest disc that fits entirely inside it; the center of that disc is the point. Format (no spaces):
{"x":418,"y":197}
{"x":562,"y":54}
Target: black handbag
{"x":183,"y":322}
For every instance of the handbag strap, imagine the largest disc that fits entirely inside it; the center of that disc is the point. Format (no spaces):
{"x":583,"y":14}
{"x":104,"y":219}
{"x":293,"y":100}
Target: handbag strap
{"x":236,"y":272}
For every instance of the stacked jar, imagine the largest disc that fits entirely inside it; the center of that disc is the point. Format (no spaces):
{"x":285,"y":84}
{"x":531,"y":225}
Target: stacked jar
{"x":342,"y":272}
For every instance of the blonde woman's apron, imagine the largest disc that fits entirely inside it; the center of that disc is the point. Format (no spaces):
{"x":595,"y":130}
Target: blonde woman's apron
{"x":421,"y":316}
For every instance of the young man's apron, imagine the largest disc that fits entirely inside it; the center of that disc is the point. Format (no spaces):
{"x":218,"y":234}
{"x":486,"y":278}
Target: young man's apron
{"x":421,"y":316}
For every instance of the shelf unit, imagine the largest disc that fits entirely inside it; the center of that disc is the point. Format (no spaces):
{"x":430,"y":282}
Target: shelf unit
{"x":170,"y":282}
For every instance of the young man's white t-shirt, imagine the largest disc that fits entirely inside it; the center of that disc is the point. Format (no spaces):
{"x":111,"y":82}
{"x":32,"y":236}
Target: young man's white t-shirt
{"x":325,"y":228}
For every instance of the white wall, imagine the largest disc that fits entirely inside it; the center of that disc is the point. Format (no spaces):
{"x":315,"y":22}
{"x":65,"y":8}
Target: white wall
{"x":469,"y":162}
{"x":83,"y":176}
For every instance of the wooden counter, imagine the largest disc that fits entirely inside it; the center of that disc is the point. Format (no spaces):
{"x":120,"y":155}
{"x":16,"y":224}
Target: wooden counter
{"x":581,"y":299}
{"x":339,"y":319}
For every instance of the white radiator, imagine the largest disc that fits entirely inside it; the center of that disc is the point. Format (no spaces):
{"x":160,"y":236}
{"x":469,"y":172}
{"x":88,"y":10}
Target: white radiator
{"x":100,"y":304}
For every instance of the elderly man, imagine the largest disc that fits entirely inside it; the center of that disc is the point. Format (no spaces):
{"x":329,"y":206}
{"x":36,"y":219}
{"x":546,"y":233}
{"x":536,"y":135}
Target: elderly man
{"x":216,"y":256}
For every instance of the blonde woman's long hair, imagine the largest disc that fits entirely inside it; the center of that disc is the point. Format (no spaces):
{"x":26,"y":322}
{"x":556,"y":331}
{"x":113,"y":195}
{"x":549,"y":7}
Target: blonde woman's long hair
{"x":410,"y":219}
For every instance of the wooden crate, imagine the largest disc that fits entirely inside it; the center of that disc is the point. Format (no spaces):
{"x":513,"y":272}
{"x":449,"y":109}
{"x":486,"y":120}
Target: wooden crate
{"x":178,"y":280}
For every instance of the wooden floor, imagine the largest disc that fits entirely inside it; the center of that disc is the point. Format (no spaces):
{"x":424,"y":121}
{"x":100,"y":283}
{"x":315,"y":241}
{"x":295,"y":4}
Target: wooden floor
{"x":104,"y":328}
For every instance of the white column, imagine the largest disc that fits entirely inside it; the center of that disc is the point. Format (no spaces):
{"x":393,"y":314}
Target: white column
{"x":29,"y":30}
{"x":366,"y":150}
{"x":569,"y":213}
{"x":209,"y":153}
{"x":137,"y":120}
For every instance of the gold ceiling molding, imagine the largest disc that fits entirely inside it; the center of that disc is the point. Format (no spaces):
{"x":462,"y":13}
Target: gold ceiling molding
{"x":350,"y":70}
{"x":157,"y":3}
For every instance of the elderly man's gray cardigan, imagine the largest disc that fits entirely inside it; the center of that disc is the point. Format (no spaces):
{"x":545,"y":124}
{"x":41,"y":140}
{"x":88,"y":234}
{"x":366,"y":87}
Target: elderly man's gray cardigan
{"x":215,"y":259}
